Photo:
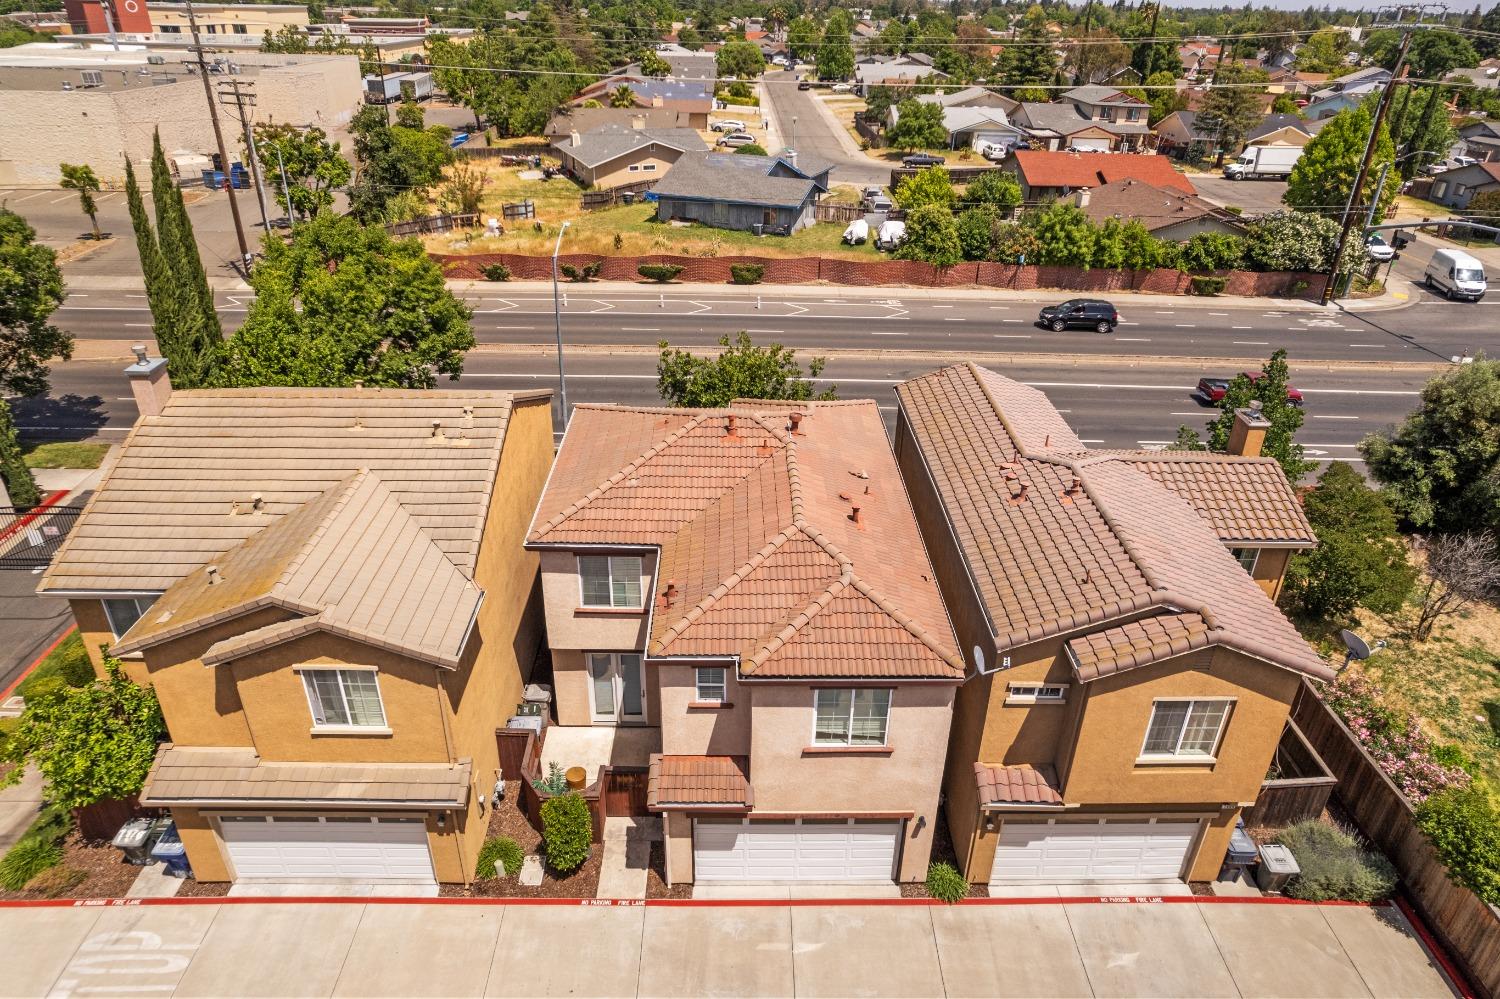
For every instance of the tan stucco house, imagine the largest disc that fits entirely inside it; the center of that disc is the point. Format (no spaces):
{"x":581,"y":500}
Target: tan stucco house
{"x":745,"y":593}
{"x":328,"y":591}
{"x":1127,"y":678}
{"x":614,"y":155}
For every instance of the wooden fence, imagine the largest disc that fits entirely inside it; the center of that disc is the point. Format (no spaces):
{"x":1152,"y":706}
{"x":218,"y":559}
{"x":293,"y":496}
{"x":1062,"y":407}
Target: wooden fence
{"x":519,"y":210}
{"x":513,"y":151}
{"x":594,"y":200}
{"x":1467,"y":927}
{"x":1301,"y":788}
{"x":870,"y":131}
{"x":521,"y":761}
{"x":433,"y":223}
{"x":838,"y":213}
{"x":957,"y":174}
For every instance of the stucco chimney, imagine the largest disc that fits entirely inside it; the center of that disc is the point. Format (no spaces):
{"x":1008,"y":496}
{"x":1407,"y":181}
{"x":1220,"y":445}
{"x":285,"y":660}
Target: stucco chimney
{"x":638,"y":122}
{"x":149,"y":382}
{"x":1083,"y":197}
{"x":790,"y":155}
{"x":656,"y":101}
{"x":1248,"y":434}
{"x":574,"y":139}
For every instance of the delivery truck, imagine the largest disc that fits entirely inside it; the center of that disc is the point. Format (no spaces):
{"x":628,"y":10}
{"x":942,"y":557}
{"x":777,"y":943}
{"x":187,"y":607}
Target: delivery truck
{"x":1264,"y":161}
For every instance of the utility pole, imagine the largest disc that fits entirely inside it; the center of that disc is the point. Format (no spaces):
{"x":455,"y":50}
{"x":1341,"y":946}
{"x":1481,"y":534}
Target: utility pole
{"x":1353,"y":208}
{"x":213,"y":116}
{"x":109,"y":24}
{"x":240,"y":93}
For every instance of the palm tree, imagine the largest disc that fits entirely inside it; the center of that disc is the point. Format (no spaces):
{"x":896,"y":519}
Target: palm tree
{"x":622,"y":97}
{"x":82,"y":179}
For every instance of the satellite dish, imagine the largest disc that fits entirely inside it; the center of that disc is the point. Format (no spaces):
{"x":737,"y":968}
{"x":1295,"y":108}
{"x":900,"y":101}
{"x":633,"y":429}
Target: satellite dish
{"x":979,"y":659}
{"x":1358,"y":647}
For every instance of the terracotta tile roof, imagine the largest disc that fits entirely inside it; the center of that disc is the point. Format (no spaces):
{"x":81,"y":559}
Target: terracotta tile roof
{"x":180,"y":493}
{"x":1138,"y":643}
{"x":351,"y":562}
{"x":1245,"y":500}
{"x":1153,"y":206}
{"x":185,"y":775}
{"x":698,"y":780}
{"x":1074,"y":170}
{"x":758,"y":537}
{"x":1021,"y":784}
{"x":1059,"y":539}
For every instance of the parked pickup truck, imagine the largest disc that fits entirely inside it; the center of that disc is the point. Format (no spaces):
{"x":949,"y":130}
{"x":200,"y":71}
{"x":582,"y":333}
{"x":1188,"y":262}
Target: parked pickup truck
{"x":1263,"y":161}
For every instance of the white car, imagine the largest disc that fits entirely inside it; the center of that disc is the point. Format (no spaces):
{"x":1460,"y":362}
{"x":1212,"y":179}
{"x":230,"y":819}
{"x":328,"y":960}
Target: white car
{"x":842,"y":88}
{"x":736,"y":139}
{"x":1378,"y":249}
{"x":728,"y":125}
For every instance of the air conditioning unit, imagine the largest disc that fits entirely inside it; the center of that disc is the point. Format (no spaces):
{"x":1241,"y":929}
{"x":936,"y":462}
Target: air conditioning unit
{"x":156,"y":60}
{"x":92,"y":78}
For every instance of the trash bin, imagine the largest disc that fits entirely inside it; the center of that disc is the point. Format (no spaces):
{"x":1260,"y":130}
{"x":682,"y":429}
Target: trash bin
{"x":1240,"y":855}
{"x":628,"y":197}
{"x":135,"y":839}
{"x":533,"y":722}
{"x":1277,"y":867}
{"x":172,"y":854}
{"x":758,"y":228}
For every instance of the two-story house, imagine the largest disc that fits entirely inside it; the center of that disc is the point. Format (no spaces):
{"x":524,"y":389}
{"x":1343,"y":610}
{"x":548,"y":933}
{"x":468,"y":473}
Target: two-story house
{"x":328,"y":592}
{"x":747,"y":587}
{"x":1128,"y":679}
{"x":1122,"y":114}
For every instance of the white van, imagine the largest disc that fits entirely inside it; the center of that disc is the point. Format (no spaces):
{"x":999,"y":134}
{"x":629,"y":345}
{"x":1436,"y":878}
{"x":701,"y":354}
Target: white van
{"x":1456,"y":275}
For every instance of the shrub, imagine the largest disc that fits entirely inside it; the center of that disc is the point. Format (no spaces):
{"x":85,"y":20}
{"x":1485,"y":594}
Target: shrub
{"x":567,"y":831}
{"x":74,"y":666}
{"x":43,"y":689}
{"x":501,"y":849}
{"x":1464,"y":827}
{"x":496,"y":272}
{"x":1395,"y":742}
{"x":746,"y":273}
{"x":585,"y":273}
{"x":1208,"y":285}
{"x":1333,"y":866}
{"x":26,"y":860}
{"x":945,"y":883}
{"x":751,"y":149}
{"x":660,"y":273}
{"x":556,"y":781}
{"x":57,"y":881}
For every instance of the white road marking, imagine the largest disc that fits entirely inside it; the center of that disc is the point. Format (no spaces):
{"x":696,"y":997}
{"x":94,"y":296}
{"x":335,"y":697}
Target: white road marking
{"x":145,"y":326}
{"x":954,"y":319}
{"x":886,"y":333}
{"x":1242,"y":327}
{"x":1010,"y":320}
{"x":1084,"y":440}
{"x":627,"y":329}
{"x":1002,"y":308}
{"x":1132,"y":339}
{"x":1319,"y":416}
{"x":1378,"y":346}
{"x":942,"y":306}
{"x":1252,"y":343}
{"x":1012,"y":336}
{"x":1186,"y":326}
{"x":1124,"y":323}
{"x":1218,"y":313}
{"x":758,"y":331}
{"x":512,"y":327}
{"x":1166,"y":313}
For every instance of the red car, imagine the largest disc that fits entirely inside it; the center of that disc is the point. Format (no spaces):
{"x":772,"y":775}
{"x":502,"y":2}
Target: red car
{"x":1210,"y":391}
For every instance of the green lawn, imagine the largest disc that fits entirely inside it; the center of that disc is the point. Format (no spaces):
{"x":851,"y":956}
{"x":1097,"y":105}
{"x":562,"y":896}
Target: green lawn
{"x":65,"y":454}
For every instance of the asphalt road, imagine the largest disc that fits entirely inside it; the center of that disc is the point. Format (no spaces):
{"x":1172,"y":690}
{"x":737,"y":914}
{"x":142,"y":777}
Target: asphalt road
{"x":804,"y":126}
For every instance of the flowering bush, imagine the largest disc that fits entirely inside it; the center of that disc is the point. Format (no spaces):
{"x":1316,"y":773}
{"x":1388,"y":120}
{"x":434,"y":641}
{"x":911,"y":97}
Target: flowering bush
{"x":1395,"y":742}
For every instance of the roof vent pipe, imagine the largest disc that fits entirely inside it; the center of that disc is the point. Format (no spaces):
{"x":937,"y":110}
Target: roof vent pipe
{"x":795,"y":421}
{"x":213,"y":575}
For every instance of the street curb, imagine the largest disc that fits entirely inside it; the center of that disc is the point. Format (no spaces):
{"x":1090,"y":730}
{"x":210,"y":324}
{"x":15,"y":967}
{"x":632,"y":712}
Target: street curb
{"x":679,"y":903}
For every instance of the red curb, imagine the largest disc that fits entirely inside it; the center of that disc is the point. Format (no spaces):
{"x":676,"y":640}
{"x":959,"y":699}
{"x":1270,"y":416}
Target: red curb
{"x":1439,"y":953}
{"x":37,"y":662}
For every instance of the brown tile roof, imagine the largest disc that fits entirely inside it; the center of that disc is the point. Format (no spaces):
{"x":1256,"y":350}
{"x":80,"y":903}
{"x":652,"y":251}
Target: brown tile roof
{"x":184,"y":775}
{"x":1021,"y":784}
{"x":698,"y":780}
{"x":1154,"y":206}
{"x":1059,"y":539}
{"x":1245,"y":500}
{"x":351,"y":562}
{"x":1138,"y":643}
{"x":757,"y":534}
{"x":180,"y":493}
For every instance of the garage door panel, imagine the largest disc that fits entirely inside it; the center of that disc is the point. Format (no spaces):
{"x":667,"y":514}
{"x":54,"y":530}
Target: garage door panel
{"x":785,"y":851}
{"x":364,"y":850}
{"x":1089,"y":851}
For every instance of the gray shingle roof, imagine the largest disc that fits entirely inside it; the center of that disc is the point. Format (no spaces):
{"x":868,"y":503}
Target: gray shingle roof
{"x":1274,"y":123}
{"x":733,"y":178}
{"x":1063,"y":119}
{"x":611,"y":141}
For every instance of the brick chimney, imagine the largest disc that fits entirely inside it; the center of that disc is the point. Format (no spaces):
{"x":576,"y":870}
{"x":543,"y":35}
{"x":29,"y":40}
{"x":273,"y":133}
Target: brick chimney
{"x":1248,"y":435}
{"x":149,"y":382}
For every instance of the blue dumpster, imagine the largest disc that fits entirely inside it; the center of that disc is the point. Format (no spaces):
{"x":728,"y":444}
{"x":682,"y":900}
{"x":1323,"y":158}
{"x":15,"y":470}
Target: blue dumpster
{"x":173,"y":855}
{"x":213,"y":179}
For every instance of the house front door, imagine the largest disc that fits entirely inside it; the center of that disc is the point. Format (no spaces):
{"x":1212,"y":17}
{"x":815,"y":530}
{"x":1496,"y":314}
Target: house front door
{"x":616,"y":688}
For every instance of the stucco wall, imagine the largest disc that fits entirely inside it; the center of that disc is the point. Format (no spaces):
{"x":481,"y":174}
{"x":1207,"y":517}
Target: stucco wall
{"x":1270,"y":570}
{"x":617,"y":172}
{"x":700,"y":731}
{"x":679,"y":848}
{"x":905,"y":778}
{"x":570,"y":626}
{"x":570,"y":688}
{"x":93,"y":628}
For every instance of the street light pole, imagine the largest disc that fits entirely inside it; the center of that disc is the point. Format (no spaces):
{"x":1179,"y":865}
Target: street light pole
{"x":562,"y":378}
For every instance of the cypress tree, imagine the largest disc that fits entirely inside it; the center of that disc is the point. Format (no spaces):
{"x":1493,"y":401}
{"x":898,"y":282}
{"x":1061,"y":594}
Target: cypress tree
{"x":13,"y":468}
{"x":194,"y":349}
{"x":160,"y":294}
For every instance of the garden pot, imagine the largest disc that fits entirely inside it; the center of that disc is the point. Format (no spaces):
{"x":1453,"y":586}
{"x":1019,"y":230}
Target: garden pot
{"x":577,"y":777}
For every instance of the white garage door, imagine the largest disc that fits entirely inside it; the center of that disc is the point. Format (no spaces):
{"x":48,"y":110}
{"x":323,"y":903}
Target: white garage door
{"x":788,"y":851}
{"x":317,"y":847}
{"x":1098,"y":145}
{"x":1065,"y":852}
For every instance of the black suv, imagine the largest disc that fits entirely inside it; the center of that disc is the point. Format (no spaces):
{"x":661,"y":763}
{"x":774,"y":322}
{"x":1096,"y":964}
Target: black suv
{"x":1087,"y":313}
{"x":922,"y":160}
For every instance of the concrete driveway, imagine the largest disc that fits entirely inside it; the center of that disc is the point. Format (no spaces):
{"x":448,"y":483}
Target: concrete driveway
{"x":1256,"y":197}
{"x":411,"y":949}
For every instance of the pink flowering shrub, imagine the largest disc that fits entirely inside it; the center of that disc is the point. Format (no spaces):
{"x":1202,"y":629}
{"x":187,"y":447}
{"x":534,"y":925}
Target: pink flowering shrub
{"x":1395,"y":742}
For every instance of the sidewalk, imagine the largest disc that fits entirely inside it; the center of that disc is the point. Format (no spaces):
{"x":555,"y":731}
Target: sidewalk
{"x":357,"y":948}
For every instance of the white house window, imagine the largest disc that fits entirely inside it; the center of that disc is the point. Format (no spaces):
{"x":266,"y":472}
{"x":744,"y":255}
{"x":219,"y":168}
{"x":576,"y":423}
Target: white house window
{"x":344,"y":698}
{"x":856,"y":717}
{"x":124,"y":612}
{"x":1185,"y":728}
{"x":1246,"y":557}
{"x":610,"y":581}
{"x":1439,"y":189}
{"x":648,"y":167}
{"x":711,"y":683}
{"x":1036,"y":693}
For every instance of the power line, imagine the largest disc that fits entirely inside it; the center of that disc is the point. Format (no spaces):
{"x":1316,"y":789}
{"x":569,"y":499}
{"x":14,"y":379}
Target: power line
{"x":213,"y":116}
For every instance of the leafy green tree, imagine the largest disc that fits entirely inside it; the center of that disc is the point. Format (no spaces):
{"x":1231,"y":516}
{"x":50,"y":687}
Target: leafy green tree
{"x":313,"y":166}
{"x":31,"y":289}
{"x":1297,"y":241}
{"x":1463,"y":824}
{"x":393,"y":160}
{"x":1441,"y":466}
{"x":1325,"y":172}
{"x":928,"y":186}
{"x":1153,"y":43}
{"x":1285,"y":104}
{"x":80,"y":178}
{"x":994,"y":187}
{"x":931,"y":236}
{"x":751,"y":149}
{"x":1064,"y":235}
{"x":1030,"y":62}
{"x":1270,"y":391}
{"x":689,"y":38}
{"x":1360,"y":560}
{"x":1488,"y":43}
{"x":1323,"y":52}
{"x":1126,"y":244}
{"x":1212,"y":251}
{"x":740,"y":371}
{"x":1161,"y":91}
{"x":622,"y":97}
{"x":1435,"y":54}
{"x":654,"y":66}
{"x":835,"y":57}
{"x":1232,"y":107}
{"x":20,"y":486}
{"x":188,"y":332}
{"x":976,"y":231}
{"x":918,"y":126}
{"x":341,"y":303}
{"x":742,"y":60}
{"x":461,"y":70}
{"x":802,"y":38}
{"x":1096,"y":55}
{"x":1418,"y":131}
{"x":91,"y":744}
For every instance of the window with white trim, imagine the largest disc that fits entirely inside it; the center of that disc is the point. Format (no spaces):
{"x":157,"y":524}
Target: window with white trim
{"x":610,"y":580}
{"x":851,"y":717}
{"x":344,"y":698}
{"x":711,"y":683}
{"x":1186,"y":728}
{"x":1036,"y":693}
{"x":124,"y":612}
{"x":1246,"y":557}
